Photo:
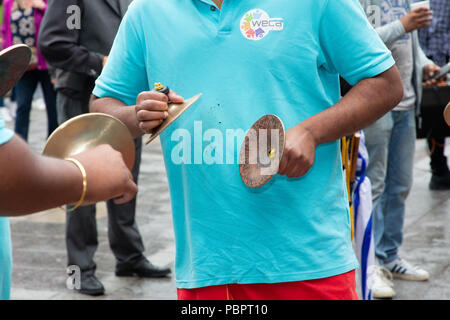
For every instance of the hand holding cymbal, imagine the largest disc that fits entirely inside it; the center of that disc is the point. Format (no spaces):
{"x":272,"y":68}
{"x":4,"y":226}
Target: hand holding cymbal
{"x":299,"y":152}
{"x":269,"y":149}
{"x":166,"y":106}
{"x":81,"y":134}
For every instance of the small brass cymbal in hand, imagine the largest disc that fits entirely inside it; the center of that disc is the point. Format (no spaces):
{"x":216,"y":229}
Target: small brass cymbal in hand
{"x":175,"y":111}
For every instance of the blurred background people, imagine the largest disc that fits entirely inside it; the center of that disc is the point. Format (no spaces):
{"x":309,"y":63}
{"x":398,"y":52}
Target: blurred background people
{"x":76,"y":37}
{"x":435,"y":41}
{"x":20,"y":25}
{"x":391,"y":140}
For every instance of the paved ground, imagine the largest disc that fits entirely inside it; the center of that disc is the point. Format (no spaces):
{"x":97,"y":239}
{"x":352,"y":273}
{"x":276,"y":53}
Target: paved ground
{"x":40,"y":255}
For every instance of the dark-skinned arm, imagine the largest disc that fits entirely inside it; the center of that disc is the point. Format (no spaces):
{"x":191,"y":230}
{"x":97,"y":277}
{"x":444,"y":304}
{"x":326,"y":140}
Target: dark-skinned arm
{"x":31,"y":182}
{"x":365,"y":103}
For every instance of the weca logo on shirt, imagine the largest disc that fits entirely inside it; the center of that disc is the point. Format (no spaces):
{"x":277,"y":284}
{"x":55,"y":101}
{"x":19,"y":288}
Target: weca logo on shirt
{"x":257,"y":24}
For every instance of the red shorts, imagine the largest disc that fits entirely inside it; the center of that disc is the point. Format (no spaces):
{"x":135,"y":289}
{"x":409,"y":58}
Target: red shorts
{"x":340,"y":287}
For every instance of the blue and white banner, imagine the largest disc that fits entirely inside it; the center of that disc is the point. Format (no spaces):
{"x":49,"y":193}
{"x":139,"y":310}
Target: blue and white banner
{"x":364,"y":243}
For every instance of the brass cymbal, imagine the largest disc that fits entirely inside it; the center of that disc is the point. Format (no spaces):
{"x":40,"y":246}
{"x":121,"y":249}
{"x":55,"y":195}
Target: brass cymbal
{"x":14,"y":61}
{"x":175,"y":111}
{"x":262,"y":151}
{"x":88,"y":131}
{"x":447,"y":114}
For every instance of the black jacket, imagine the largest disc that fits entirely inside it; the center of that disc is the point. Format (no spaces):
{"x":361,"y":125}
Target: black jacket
{"x":75,"y":36}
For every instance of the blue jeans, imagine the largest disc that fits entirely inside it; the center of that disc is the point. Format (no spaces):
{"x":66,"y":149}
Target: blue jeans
{"x":25,"y":89}
{"x":391,"y":144}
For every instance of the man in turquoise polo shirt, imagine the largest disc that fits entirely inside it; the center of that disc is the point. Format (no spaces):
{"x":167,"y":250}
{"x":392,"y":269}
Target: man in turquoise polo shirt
{"x":291,"y":238}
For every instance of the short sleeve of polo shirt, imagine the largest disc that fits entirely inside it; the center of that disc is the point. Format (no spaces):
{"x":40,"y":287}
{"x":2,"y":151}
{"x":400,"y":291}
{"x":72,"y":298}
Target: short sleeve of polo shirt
{"x":128,"y":53}
{"x":5,"y":134}
{"x":350,"y":45}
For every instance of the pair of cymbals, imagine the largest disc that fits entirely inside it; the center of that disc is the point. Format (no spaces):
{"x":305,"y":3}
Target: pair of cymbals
{"x":90,"y":130}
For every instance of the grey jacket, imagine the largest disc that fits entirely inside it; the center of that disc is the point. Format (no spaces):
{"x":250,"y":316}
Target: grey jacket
{"x":75,"y":36}
{"x":394,"y":31}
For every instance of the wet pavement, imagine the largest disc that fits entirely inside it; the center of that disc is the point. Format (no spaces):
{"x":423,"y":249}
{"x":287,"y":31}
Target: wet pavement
{"x":39,"y":250}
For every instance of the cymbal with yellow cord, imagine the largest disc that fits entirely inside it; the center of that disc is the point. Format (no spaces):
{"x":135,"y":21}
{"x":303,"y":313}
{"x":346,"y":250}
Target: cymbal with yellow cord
{"x":175,"y":111}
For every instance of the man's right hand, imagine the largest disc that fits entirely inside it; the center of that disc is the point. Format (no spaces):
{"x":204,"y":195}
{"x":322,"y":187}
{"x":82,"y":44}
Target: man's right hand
{"x":107,"y":175}
{"x":152,"y":108}
{"x":417,"y":19}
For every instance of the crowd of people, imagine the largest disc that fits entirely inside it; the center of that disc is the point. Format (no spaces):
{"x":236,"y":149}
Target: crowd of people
{"x":229,"y":244}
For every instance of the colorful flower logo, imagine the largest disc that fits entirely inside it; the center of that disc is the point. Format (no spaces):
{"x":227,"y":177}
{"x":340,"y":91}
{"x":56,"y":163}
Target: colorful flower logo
{"x":256,"y":24}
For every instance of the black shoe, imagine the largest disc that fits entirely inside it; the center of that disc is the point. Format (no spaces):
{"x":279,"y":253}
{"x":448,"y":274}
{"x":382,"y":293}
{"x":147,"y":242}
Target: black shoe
{"x":91,"y":286}
{"x":143,"y":269}
{"x":440,"y":182}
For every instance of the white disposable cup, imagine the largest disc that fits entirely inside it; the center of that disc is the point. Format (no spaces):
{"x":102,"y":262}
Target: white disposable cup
{"x":420,"y":4}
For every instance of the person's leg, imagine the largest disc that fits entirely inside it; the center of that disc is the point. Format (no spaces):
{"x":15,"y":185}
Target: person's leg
{"x":81,"y":239}
{"x":81,"y":224}
{"x":24,"y":92}
{"x":377,"y":138}
{"x":50,"y":101}
{"x":124,"y":237}
{"x":438,"y":160}
{"x":67,"y":108}
{"x":398,"y":181}
{"x":440,"y":173}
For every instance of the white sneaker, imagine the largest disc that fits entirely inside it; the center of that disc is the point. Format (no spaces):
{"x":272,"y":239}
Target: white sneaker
{"x":402,"y":269}
{"x":382,"y":286}
{"x":5,"y":114}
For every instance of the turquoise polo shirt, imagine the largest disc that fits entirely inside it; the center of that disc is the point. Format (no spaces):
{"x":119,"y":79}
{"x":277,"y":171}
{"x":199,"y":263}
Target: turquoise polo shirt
{"x":252,"y":58}
{"x":5,"y":236}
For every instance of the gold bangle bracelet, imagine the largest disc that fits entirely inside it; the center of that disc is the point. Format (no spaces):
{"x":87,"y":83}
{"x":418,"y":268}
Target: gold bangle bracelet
{"x":83,"y":193}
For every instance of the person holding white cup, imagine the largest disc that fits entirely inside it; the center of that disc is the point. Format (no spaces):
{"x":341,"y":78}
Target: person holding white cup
{"x":391,"y":140}
{"x":419,"y":17}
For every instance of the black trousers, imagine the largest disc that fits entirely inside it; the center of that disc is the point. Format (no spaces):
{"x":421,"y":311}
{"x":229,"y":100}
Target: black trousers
{"x":436,"y":145}
{"x":81,"y":225}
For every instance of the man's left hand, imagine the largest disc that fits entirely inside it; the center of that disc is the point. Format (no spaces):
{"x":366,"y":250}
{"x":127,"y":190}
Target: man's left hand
{"x":299,"y":152}
{"x":429,"y":71}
